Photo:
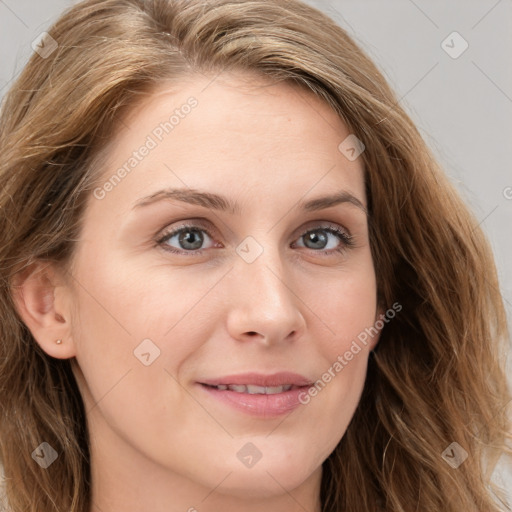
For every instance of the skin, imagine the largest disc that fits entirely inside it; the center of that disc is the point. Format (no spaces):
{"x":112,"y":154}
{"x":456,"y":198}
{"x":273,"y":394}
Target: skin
{"x":158,"y":441}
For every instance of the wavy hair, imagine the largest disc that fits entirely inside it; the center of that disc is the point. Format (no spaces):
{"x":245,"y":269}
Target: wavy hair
{"x":437,"y":375}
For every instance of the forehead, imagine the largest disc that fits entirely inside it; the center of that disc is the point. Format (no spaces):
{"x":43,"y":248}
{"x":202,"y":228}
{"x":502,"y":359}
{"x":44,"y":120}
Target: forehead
{"x":233,"y":132}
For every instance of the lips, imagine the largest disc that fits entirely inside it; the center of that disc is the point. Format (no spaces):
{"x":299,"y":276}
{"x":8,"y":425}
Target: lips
{"x":258,"y":395}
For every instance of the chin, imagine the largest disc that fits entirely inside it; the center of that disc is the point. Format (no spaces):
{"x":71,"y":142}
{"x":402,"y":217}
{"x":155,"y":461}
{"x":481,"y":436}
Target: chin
{"x":263,"y":483}
{"x":277,"y":469}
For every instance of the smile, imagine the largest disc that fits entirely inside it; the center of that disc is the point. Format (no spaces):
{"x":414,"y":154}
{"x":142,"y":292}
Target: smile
{"x":265,"y":396}
{"x":254,"y":390}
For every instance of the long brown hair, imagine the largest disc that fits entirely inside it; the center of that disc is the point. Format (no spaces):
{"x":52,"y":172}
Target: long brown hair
{"x":437,"y":376}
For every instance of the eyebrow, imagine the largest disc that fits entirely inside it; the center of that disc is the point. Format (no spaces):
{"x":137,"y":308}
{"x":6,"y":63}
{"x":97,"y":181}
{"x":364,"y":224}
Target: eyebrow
{"x":218,"y":202}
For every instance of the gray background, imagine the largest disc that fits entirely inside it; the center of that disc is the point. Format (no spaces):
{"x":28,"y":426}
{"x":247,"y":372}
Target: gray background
{"x":462,"y":106}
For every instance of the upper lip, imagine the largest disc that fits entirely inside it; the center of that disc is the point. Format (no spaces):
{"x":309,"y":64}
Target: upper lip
{"x":258,"y":379}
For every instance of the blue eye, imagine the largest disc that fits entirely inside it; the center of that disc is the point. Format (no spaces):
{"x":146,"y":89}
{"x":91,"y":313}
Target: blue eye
{"x":326,"y":239}
{"x":189,"y":240}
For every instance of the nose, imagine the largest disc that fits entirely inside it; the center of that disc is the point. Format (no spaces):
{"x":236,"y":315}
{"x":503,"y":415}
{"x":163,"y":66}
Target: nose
{"x":264,"y":307}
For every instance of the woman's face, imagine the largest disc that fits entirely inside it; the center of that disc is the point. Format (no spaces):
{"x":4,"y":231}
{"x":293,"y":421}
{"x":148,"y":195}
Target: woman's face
{"x":212,"y":260}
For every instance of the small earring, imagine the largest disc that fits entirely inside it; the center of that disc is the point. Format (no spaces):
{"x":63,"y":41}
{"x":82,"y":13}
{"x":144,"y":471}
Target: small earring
{"x":58,"y":342}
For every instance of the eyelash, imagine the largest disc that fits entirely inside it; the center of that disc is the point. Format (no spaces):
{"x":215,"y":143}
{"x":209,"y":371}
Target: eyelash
{"x":347,"y":240}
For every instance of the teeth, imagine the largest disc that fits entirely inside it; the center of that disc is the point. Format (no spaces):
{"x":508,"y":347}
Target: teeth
{"x":238,"y":388}
{"x":277,"y":389}
{"x":254,"y":390}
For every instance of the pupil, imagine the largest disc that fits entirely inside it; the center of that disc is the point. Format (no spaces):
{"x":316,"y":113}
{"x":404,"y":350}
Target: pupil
{"x":186,"y":239}
{"x":319,"y":241}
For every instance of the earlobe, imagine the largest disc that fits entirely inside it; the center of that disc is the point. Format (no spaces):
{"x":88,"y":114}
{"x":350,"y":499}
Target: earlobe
{"x":39,"y":297}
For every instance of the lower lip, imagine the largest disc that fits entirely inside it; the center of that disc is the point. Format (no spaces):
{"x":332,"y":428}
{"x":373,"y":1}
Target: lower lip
{"x":267,"y":406}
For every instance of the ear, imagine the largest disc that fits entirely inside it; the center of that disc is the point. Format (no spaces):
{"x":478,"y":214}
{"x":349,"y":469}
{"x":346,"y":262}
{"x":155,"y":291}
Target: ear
{"x":43,"y":301}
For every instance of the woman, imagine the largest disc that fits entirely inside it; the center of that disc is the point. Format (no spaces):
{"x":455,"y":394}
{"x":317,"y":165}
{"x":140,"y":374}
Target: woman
{"x":234,"y":277}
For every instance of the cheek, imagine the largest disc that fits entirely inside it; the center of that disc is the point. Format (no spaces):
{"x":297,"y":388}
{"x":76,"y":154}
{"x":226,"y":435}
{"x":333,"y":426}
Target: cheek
{"x":347,"y":308}
{"x":128,"y":324}
{"x":134,"y":302}
{"x":345,"y":302}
